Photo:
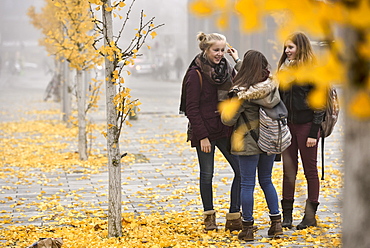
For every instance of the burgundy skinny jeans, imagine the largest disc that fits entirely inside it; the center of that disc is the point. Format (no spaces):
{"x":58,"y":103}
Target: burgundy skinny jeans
{"x":309,"y":161}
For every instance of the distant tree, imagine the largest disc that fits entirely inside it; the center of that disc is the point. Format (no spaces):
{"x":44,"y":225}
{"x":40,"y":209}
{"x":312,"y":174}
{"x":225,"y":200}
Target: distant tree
{"x":118,"y":98}
{"x":68,"y":29}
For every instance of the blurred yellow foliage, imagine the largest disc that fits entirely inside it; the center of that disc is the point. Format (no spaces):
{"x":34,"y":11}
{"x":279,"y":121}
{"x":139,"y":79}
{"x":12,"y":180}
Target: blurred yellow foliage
{"x":317,"y":18}
{"x":229,"y":107}
{"x":360,"y":105}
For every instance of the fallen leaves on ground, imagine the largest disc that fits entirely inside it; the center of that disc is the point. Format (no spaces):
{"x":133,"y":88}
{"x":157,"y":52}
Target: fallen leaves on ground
{"x":38,"y":157}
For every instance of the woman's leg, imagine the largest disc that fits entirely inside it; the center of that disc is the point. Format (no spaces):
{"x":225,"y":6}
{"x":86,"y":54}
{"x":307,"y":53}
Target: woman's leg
{"x":264,"y":168}
{"x":206,"y":164}
{"x":248,"y":165}
{"x":222,"y":144}
{"x":290,"y":165}
{"x":309,"y":161}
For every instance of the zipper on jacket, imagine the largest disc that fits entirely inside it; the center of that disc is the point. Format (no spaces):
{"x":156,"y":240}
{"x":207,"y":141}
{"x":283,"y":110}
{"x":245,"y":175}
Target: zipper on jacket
{"x":291,"y":105}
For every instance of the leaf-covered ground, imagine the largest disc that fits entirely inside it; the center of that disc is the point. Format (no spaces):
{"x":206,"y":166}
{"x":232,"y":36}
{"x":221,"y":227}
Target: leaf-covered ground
{"x":45,"y":191}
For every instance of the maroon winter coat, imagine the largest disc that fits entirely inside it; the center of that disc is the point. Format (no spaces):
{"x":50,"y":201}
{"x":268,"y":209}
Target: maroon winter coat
{"x":202,"y":109}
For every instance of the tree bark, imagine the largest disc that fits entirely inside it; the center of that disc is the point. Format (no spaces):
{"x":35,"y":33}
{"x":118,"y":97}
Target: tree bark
{"x":81,"y":103}
{"x":66,"y":94}
{"x":114,"y":164}
{"x":356,"y":205}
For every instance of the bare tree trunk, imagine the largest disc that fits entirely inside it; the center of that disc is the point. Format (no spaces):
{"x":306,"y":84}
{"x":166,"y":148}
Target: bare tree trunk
{"x":114,"y":164}
{"x":66,"y":94}
{"x":356,"y":213}
{"x":81,"y":104}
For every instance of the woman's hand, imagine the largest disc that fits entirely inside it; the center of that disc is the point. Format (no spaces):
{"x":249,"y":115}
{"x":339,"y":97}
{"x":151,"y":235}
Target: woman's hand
{"x":205,"y":145}
{"x":233,"y":53}
{"x":311,"y":142}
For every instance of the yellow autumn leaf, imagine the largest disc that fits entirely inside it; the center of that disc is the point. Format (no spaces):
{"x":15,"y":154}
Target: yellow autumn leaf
{"x":364,"y":47}
{"x":122,"y":4}
{"x":201,"y":7}
{"x":108,"y":9}
{"x":271,"y":5}
{"x":153,"y":34}
{"x":317,"y":98}
{"x":360,"y":105}
{"x":57,"y":4}
{"x":237,"y":139}
{"x":285,"y":78}
{"x":223,"y":21}
{"x":359,"y":15}
{"x":250,"y":14}
{"x":228,"y":108}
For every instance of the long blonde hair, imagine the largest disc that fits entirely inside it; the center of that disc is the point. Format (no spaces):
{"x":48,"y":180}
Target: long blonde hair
{"x":304,"y":54}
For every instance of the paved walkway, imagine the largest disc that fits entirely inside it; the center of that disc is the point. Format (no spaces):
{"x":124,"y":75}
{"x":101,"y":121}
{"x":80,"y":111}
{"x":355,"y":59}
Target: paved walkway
{"x":165,"y":174}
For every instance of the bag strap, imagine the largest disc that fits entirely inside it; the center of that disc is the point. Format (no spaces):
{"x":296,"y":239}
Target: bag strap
{"x":322,"y":157}
{"x":183,"y":90}
{"x":253,"y":133}
{"x":200,"y":78}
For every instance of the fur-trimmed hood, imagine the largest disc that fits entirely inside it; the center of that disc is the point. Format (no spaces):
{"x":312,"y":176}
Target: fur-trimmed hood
{"x":256,"y":91}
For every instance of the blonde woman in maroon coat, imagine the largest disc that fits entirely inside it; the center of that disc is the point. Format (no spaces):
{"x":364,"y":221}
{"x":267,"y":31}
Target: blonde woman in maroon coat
{"x":206,"y":84}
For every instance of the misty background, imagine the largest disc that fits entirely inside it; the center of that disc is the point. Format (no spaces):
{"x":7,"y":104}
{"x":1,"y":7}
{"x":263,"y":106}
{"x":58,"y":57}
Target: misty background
{"x":177,"y":38}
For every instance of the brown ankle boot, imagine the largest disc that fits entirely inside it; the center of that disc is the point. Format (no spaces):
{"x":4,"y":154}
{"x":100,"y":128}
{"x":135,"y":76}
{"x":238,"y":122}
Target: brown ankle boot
{"x":287,"y":206}
{"x":309,"y":218}
{"x":247,"y":233}
{"x":209,"y":218}
{"x":233,"y":222}
{"x":275,"y":228}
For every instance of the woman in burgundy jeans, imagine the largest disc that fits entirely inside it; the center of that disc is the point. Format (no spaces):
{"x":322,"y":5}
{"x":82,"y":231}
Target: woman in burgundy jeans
{"x":304,"y":123}
{"x":205,"y":85}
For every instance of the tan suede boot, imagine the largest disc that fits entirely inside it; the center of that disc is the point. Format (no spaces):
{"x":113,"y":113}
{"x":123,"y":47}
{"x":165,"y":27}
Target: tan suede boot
{"x":209,"y":218}
{"x":233,"y":222}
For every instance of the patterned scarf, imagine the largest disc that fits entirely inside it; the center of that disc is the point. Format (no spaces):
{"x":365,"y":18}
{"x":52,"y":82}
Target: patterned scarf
{"x":219,"y":75}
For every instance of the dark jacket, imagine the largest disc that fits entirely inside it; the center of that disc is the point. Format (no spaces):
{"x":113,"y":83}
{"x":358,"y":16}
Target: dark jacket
{"x":299,"y":112}
{"x":261,"y":94}
{"x":202,"y":109}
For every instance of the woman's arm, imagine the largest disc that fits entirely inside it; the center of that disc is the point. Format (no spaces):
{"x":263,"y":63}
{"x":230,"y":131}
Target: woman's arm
{"x":318,"y":118}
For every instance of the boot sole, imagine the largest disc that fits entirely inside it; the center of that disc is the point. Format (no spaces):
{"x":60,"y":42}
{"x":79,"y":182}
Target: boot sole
{"x":305,"y":227}
{"x":248,"y":240}
{"x":276,"y":235}
{"x":290,"y":227}
{"x":255,"y":229}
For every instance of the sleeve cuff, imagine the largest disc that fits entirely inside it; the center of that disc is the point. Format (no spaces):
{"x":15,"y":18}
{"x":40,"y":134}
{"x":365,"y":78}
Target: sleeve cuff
{"x":314,"y":131}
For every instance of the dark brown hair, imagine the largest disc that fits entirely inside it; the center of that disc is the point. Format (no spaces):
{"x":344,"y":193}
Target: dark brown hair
{"x":255,"y":68}
{"x":304,"y":52}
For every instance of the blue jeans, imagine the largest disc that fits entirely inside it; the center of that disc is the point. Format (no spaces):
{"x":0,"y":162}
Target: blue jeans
{"x":248,"y":167}
{"x":206,"y":164}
